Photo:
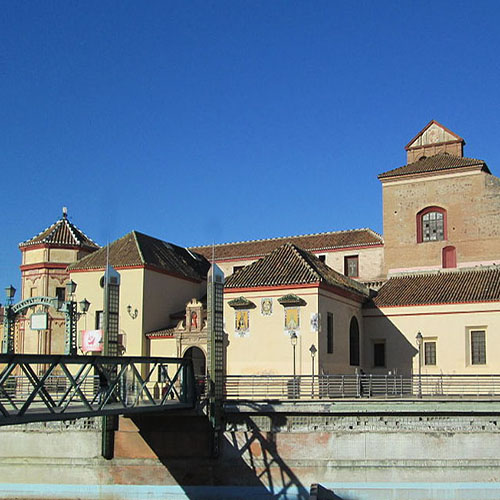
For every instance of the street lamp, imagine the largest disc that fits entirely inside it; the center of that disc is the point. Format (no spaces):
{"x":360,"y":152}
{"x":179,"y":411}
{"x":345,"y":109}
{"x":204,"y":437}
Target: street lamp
{"x":313,"y":352}
{"x":293,"y":340}
{"x":84,"y":305}
{"x":70,"y":288}
{"x":10,"y":291}
{"x":419,"y":339}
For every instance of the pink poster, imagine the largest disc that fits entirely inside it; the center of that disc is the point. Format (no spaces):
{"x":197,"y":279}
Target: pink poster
{"x":92,"y":340}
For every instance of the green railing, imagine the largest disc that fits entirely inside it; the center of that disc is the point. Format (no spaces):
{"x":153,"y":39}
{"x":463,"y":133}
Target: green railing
{"x":50,"y":387}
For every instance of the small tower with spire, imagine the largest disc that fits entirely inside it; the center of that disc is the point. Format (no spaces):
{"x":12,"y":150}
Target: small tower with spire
{"x":44,"y":260}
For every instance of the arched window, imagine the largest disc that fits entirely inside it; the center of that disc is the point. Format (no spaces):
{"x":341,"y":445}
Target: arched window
{"x":431,"y":224}
{"x":354,"y":342}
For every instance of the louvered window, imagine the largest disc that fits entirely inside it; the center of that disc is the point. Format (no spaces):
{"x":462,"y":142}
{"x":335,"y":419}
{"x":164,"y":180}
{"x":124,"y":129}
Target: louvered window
{"x":478,"y":347}
{"x":429,"y":353}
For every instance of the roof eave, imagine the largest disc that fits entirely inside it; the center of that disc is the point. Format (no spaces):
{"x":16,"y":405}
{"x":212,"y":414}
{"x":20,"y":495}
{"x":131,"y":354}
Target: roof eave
{"x":389,"y":177}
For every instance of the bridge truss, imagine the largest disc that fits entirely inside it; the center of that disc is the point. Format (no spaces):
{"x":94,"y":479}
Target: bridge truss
{"x":36,"y":388}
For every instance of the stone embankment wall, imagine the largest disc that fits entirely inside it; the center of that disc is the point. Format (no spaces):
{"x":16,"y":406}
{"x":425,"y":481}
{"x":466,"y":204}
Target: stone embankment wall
{"x":279,"y":456}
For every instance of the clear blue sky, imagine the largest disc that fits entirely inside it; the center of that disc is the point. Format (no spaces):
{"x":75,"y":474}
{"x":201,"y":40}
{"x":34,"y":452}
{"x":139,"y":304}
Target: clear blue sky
{"x":203,"y":121}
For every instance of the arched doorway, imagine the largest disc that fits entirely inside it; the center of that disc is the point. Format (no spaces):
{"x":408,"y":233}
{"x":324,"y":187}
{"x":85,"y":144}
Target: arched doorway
{"x":199,"y":366}
{"x":199,"y":361}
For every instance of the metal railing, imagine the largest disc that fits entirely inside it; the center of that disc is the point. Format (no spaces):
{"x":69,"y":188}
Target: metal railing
{"x":48,"y":387}
{"x":334,"y":387}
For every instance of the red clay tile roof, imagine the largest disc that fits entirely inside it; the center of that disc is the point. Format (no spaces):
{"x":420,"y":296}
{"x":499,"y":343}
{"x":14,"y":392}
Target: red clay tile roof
{"x":443,"y":287}
{"x":137,"y":249}
{"x":436,"y":163}
{"x":290,"y":265}
{"x":61,"y":233}
{"x":162,"y":333}
{"x":310,"y":242}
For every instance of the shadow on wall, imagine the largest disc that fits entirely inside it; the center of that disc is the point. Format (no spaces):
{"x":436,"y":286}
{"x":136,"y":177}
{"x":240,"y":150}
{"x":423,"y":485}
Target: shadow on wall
{"x":248,"y":466}
{"x":400,"y":352}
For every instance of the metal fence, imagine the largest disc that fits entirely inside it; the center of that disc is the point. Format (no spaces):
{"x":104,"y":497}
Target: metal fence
{"x":332,"y":387}
{"x":39,"y":387}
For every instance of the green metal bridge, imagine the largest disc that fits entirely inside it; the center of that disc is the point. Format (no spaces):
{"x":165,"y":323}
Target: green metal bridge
{"x":36,"y":388}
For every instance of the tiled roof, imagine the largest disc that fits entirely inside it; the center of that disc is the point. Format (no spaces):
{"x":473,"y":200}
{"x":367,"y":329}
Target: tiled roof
{"x":61,"y":233}
{"x":436,"y":163}
{"x":310,"y":242}
{"x":137,"y":249}
{"x":290,"y":265}
{"x":443,"y":287}
{"x":162,"y":333}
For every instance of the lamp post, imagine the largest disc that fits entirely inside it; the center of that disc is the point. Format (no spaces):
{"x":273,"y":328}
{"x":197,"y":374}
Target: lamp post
{"x":419,"y":339}
{"x":8,"y":327}
{"x":71,"y":315}
{"x":293,"y":340}
{"x":313,"y":352}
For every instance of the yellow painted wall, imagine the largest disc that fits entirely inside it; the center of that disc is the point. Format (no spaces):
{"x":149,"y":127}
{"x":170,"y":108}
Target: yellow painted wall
{"x":343,"y":310}
{"x":164,"y":295}
{"x":449,"y":325}
{"x":131,"y":292}
{"x":267,"y":348}
{"x":164,"y":348}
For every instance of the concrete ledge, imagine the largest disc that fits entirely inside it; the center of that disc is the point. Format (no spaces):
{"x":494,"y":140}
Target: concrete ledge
{"x":364,"y":406}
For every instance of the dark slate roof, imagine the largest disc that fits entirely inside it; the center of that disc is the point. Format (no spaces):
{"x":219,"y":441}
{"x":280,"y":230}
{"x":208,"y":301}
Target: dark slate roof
{"x":137,"y":249}
{"x":436,"y":163}
{"x":290,"y":265}
{"x":442,"y":287}
{"x":61,"y":233}
{"x":310,"y":242}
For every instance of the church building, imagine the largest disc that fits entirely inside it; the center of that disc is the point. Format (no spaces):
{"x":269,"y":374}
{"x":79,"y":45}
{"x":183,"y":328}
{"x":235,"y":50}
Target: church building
{"x":427,"y":291}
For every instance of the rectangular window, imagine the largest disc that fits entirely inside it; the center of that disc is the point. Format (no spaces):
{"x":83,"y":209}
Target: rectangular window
{"x":430,"y":353}
{"x":379,"y":354}
{"x":61,"y":293}
{"x":99,"y":320}
{"x":237,"y":268}
{"x":329,"y":333}
{"x":478,"y":347}
{"x":33,"y":292}
{"x":351,"y":266}
{"x":322,"y":258}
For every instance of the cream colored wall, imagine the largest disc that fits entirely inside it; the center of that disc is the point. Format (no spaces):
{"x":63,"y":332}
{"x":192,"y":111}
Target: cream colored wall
{"x":64,"y":255}
{"x":267,"y":349}
{"x":34,"y":256}
{"x":449,"y":325}
{"x":343,"y":310}
{"x":164,"y":295}
{"x":45,"y":282}
{"x":37,"y":255}
{"x":164,"y":348}
{"x":131,"y":292}
{"x":370,"y":261}
{"x":154,"y":295}
{"x":227,"y":267}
